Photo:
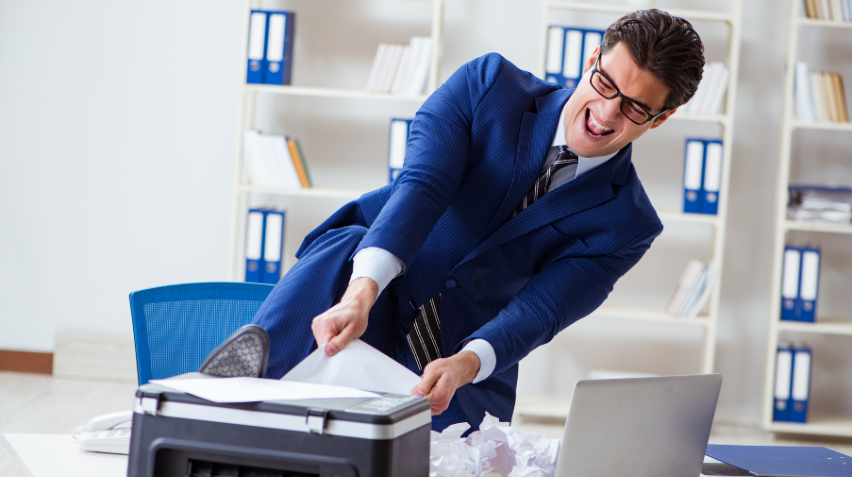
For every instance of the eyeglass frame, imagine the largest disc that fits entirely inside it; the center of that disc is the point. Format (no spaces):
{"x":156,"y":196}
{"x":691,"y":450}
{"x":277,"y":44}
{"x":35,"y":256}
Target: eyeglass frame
{"x":619,"y":94}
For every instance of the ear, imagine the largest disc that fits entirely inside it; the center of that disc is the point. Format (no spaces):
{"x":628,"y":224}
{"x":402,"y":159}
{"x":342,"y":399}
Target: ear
{"x":591,"y":61}
{"x":657,"y":122}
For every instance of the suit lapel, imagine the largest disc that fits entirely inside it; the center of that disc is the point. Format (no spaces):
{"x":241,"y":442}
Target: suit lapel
{"x":585,"y":192}
{"x":534,"y":140}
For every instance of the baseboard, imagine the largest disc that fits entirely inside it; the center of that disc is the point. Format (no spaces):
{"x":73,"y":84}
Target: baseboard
{"x":26,"y":361}
{"x":104,"y":357}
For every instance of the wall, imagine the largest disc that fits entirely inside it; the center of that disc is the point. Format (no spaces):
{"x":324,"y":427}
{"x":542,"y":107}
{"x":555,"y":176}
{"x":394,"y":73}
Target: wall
{"x":117,"y":137}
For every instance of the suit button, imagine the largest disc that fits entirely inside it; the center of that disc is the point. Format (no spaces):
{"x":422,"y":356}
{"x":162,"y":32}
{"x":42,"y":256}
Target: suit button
{"x":450,"y":283}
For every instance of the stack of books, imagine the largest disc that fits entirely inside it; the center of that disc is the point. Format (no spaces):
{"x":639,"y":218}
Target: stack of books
{"x":711,"y":91}
{"x":274,"y":161}
{"x":401,"y":69}
{"x":820,"y":96}
{"x":836,"y":10}
{"x":693,"y":290}
{"x":820,"y":204}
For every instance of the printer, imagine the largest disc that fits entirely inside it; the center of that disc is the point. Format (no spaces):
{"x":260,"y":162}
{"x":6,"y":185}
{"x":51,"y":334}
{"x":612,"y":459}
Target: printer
{"x":176,"y":434}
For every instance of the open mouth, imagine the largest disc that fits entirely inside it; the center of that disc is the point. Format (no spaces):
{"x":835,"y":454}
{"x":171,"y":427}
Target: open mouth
{"x":594,"y":128}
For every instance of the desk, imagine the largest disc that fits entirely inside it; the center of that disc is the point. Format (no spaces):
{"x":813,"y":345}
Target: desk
{"x":52,"y":455}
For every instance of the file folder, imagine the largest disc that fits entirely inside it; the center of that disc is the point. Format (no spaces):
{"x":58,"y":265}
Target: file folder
{"x":568,"y":51}
{"x":783,"y":383}
{"x":254,"y":245}
{"x":790,"y":302}
{"x":809,"y":284}
{"x":553,"y":63}
{"x":273,"y":242}
{"x":256,"y":47}
{"x":712,"y":177}
{"x":783,"y":460}
{"x":693,"y":171}
{"x":801,"y":385}
{"x":397,"y":143}
{"x":279,"y":47}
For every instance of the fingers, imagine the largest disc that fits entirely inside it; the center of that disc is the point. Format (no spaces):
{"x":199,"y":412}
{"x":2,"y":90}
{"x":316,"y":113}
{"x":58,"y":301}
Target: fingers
{"x":337,"y":343}
{"x":437,"y":385}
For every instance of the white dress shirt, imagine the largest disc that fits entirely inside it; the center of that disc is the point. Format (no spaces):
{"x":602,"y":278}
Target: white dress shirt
{"x":382,"y":266}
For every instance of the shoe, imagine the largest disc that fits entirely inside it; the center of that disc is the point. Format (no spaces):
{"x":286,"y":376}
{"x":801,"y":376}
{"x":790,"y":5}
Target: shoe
{"x":244,"y":353}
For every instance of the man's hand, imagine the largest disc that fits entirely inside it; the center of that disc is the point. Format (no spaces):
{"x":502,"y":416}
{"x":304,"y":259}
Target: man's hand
{"x":443,"y":376}
{"x":346,"y":320}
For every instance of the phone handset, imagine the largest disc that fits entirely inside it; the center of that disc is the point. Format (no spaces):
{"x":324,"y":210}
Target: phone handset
{"x":106,"y":434}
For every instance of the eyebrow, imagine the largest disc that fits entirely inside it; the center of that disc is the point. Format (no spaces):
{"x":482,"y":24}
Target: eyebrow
{"x":640,"y":103}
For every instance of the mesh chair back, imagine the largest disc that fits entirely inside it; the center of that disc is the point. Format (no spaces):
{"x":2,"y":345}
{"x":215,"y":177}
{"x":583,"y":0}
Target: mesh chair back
{"x":175,"y":327}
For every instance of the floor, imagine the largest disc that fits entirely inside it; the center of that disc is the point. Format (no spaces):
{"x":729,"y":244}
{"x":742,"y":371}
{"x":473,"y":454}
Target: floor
{"x":41,"y":404}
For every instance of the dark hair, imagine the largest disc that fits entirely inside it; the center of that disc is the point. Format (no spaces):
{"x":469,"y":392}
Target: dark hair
{"x":663,"y":44}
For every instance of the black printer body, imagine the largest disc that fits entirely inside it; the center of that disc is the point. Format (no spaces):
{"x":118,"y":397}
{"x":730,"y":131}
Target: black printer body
{"x":179,"y":435}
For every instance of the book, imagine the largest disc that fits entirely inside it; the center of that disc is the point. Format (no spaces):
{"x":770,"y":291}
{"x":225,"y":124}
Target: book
{"x":819,"y":204}
{"x":298,"y":163}
{"x":401,"y":69}
{"x":693,"y":290}
{"x":267,"y":161}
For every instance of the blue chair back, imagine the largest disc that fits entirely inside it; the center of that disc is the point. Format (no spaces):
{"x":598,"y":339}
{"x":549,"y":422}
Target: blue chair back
{"x":175,"y":327}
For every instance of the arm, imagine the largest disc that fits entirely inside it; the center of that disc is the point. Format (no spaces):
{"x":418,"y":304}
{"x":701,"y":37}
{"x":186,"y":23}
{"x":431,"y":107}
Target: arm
{"x":435,"y":161}
{"x":560,"y":294}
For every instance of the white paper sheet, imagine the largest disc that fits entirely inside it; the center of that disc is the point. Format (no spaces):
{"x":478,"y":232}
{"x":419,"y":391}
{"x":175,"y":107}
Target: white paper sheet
{"x":257,"y":389}
{"x":358,"y":365}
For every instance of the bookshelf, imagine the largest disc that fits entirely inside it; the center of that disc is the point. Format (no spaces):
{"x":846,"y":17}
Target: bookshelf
{"x":251,"y":95}
{"x":826,"y":425}
{"x":557,"y":407}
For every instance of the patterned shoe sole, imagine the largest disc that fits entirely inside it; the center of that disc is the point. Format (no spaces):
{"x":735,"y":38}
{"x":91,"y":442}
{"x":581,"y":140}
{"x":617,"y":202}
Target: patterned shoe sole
{"x":242,"y":357}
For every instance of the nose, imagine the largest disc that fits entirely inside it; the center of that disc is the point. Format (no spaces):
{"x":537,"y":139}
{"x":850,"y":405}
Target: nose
{"x":611,"y":109}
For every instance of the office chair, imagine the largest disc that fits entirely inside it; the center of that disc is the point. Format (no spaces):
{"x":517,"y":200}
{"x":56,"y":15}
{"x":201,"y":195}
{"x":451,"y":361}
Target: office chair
{"x":176,"y":326}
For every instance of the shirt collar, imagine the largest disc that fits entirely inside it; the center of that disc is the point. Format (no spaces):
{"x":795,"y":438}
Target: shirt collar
{"x":584,"y":164}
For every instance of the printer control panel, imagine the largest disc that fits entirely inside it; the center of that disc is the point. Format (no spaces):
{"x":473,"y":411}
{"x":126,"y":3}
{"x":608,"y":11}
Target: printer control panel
{"x":385,"y":404}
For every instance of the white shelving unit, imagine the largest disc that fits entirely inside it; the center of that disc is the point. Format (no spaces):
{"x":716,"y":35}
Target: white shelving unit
{"x":818,"y":425}
{"x":250,"y":94}
{"x":555,"y":407}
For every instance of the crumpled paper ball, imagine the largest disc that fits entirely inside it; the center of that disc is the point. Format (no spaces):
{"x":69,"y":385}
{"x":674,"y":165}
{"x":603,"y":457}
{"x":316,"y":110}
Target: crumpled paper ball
{"x":496,"y":446}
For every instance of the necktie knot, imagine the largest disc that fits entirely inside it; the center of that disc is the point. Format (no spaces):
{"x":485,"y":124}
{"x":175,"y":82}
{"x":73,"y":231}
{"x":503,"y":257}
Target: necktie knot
{"x":564,"y":158}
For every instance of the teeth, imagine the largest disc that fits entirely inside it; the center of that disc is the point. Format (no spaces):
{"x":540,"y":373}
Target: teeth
{"x":597,"y":124}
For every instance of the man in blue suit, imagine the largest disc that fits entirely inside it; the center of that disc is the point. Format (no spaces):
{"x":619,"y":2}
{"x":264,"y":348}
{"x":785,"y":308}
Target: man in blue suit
{"x":516,"y":212}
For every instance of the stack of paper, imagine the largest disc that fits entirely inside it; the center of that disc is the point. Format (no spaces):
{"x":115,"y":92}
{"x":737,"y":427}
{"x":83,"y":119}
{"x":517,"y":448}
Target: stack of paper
{"x":820,"y":204}
{"x":401,"y":69}
{"x":711,"y":91}
{"x":273,"y":161}
{"x":820,"y":95}
{"x":693,"y":290}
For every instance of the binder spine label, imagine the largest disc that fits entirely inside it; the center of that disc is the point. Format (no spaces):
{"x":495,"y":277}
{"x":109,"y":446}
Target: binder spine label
{"x":790,"y":284}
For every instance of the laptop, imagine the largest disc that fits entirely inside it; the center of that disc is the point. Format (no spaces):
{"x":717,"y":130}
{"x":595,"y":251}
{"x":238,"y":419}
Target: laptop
{"x":655,"y":427}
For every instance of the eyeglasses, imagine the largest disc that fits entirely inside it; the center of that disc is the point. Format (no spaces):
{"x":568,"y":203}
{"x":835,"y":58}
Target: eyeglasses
{"x":630,"y":108}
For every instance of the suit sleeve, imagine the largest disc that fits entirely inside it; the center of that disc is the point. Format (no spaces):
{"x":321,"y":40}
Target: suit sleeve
{"x":560,"y":294}
{"x":435,"y":161}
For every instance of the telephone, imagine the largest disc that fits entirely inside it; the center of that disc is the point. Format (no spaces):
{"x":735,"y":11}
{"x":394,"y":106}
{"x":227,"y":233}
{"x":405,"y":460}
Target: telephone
{"x":104,"y":434}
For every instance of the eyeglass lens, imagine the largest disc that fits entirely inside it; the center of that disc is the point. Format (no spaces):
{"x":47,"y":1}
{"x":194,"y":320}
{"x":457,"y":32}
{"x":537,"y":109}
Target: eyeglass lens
{"x":630,"y":109}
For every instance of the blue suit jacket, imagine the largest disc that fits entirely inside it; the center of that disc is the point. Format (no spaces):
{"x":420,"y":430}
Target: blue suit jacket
{"x":476,"y":147}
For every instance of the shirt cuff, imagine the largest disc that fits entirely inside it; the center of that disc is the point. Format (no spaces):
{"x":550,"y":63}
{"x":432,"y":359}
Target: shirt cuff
{"x":377,"y":264}
{"x":487,"y":358}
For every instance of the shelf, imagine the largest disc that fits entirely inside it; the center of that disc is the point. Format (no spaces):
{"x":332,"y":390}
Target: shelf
{"x":641,"y":313}
{"x":824,"y":125}
{"x":710,"y":118}
{"x":669,"y":216}
{"x":818,"y":227}
{"x":814,"y":22}
{"x":818,"y":425}
{"x":822,"y":326}
{"x":542,"y":407}
{"x":317,"y":192}
{"x":330,"y":93}
{"x":624,"y":9}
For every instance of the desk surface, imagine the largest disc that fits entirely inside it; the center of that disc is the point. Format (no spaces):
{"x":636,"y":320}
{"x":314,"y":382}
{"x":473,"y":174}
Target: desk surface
{"x":51,"y":455}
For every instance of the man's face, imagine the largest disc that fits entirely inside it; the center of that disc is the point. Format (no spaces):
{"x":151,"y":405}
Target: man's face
{"x":595,"y":126}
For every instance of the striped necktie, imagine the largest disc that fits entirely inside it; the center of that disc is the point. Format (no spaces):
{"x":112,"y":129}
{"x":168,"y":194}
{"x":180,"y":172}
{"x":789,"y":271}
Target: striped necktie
{"x":424,"y":338}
